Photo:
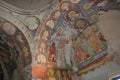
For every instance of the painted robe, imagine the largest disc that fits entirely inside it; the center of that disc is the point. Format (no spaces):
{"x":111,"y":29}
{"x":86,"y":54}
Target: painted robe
{"x":59,"y":44}
{"x":86,"y":46}
{"x":51,"y":55}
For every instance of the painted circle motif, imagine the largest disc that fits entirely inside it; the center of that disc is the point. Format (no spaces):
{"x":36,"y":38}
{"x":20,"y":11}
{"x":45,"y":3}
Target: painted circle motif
{"x":9,"y":28}
{"x":87,"y":6}
{"x":74,"y":1}
{"x":42,"y":45}
{"x":50,"y":23}
{"x":45,"y":35}
{"x":41,"y":59}
{"x":80,"y":24}
{"x":65,"y":6}
{"x":32,"y":22}
{"x":72,"y":14}
{"x":56,"y":14}
{"x":93,"y":17}
{"x":25,"y":52}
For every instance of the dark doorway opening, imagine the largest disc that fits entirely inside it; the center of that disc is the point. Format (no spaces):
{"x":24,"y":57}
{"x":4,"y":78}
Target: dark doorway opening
{"x":1,"y":73}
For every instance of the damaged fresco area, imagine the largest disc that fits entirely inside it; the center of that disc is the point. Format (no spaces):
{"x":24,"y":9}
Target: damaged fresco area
{"x":69,"y":38}
{"x":14,"y":51}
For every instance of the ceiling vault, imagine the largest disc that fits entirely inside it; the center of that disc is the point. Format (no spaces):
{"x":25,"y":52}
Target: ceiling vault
{"x":25,"y":11}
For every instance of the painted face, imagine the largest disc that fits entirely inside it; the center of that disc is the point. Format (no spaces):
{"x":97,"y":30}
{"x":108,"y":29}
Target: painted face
{"x":45,"y":35}
{"x":87,"y":5}
{"x":59,"y":31}
{"x":50,"y":23}
{"x":41,"y":59}
{"x":64,"y":73}
{"x":74,"y":1}
{"x":51,"y":71}
{"x":80,"y":24}
{"x":93,"y":28}
{"x":65,"y":6}
{"x":9,"y":28}
{"x":42,"y":45}
{"x":72,"y":14}
{"x":58,"y":73}
{"x":25,"y":52}
{"x":73,"y":37}
{"x":93,"y":17}
{"x":57,"y":14}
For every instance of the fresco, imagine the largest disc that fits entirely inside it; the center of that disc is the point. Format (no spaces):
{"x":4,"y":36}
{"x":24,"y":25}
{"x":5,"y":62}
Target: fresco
{"x":14,"y":49}
{"x":69,"y":36}
{"x":32,"y":22}
{"x":58,"y":74}
{"x":66,"y":37}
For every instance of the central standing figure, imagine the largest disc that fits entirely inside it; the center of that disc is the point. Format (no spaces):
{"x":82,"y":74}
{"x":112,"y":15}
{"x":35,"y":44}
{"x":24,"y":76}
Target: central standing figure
{"x":59,"y":40}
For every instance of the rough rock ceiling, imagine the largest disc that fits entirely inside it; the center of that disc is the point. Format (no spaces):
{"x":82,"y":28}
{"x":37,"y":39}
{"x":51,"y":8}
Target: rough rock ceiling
{"x":30,"y":4}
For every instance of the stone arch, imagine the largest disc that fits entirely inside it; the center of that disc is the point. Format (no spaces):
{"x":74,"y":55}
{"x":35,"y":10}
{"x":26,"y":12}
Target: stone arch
{"x":15,"y":51}
{"x":8,"y":16}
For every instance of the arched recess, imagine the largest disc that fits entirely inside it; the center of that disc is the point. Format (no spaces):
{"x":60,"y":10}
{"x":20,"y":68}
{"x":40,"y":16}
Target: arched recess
{"x":15,"y":52}
{"x":8,"y":16}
